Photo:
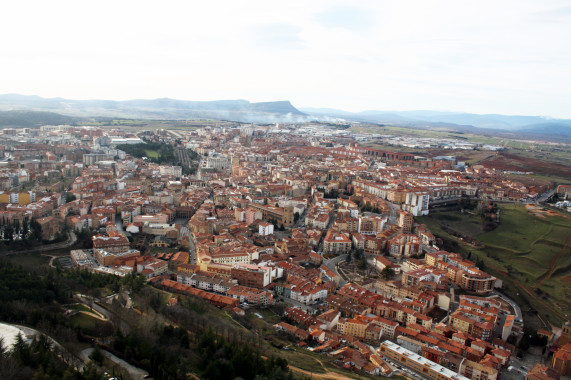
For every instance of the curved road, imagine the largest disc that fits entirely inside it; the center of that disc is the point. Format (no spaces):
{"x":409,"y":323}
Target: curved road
{"x":62,"y":352}
{"x":134,"y":372}
{"x":72,"y":238}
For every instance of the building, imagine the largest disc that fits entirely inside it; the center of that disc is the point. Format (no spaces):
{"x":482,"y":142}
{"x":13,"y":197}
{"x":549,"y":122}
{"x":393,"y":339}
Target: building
{"x":251,"y":295}
{"x":565,"y":334}
{"x":215,"y":299}
{"x":265,"y":228}
{"x":562,"y":360}
{"x":381,"y":262}
{"x":416,"y":203}
{"x":274,"y":214}
{"x":218,"y":162}
{"x":113,"y":244}
{"x":50,"y":227}
{"x":371,"y":225}
{"x":254,"y":276}
{"x":421,"y":365}
{"x":336,"y":243}
{"x":353,"y":327}
{"x":92,"y":158}
{"x":541,"y":372}
{"x":405,"y":221}
{"x":109,"y":248}
{"x":477,"y":281}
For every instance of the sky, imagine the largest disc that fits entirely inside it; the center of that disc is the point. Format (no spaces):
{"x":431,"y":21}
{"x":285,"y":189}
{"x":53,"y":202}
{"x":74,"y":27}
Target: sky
{"x":508,"y":57}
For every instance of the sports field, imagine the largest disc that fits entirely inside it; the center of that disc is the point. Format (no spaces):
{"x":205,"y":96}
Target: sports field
{"x":530,"y":253}
{"x":152,"y":153}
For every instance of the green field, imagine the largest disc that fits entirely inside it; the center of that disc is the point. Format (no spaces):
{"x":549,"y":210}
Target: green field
{"x":79,"y":307}
{"x":92,"y":326}
{"x":152,"y":153}
{"x":526,"y":251}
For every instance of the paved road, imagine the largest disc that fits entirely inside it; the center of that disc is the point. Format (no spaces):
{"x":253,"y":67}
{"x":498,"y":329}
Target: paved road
{"x":332,"y":264}
{"x":192,"y":252}
{"x":108,"y":314}
{"x":512,"y":303}
{"x":62,"y":352}
{"x":297,"y":303}
{"x":134,"y":372}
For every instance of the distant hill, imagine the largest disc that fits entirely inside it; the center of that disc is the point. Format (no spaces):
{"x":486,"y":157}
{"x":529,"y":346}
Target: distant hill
{"x":508,"y":126}
{"x":163,"y":108}
{"x":63,"y":111}
{"x":282,"y":107}
{"x":29,"y":119}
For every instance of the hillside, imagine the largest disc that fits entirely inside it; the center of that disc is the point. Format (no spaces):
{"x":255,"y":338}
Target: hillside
{"x":22,"y":118}
{"x":163,"y":108}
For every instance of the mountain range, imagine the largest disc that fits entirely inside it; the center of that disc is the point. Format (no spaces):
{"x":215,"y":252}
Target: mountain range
{"x":60,"y":110}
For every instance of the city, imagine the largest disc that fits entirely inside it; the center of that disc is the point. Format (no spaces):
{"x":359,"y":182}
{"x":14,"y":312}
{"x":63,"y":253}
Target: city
{"x":308,"y":237}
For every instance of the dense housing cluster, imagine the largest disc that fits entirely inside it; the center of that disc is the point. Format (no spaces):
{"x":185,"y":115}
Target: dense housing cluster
{"x":269,"y":214}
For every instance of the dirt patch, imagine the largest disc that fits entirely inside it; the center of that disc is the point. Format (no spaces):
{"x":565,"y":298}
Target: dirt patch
{"x":324,"y":376}
{"x":539,"y":211}
{"x":509,"y":161}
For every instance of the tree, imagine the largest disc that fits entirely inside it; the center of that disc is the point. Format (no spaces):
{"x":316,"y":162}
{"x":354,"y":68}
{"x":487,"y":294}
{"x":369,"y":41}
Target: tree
{"x":9,"y":233}
{"x":349,"y":258}
{"x":25,"y":228}
{"x":363,"y":263}
{"x":36,"y":229}
{"x":296,"y":216}
{"x":97,"y":356}
{"x":69,"y":197}
{"x":388,"y":273}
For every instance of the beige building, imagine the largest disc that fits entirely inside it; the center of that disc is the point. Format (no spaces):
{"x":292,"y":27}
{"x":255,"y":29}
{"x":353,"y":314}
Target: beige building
{"x":421,"y":365}
{"x":336,"y":243}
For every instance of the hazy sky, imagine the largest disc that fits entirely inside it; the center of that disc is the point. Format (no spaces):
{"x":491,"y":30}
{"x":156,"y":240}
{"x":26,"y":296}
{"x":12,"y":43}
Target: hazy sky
{"x":501,"y":56}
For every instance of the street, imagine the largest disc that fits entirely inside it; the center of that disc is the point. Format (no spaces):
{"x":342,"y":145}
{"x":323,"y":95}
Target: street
{"x":332,"y":264}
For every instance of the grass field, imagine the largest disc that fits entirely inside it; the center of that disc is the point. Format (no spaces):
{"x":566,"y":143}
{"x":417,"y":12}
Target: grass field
{"x":527,"y":252}
{"x":79,"y":307}
{"x":152,"y":153}
{"x":92,"y":326}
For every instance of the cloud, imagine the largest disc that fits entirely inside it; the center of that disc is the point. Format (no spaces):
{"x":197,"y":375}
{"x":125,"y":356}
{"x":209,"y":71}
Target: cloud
{"x":350,"y":18}
{"x":277,"y":36}
{"x":557,"y":15}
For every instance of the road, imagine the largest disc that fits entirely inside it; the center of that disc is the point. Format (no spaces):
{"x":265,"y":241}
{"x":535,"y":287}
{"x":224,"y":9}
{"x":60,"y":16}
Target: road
{"x":394,"y":208}
{"x":71,"y":239}
{"x":515,"y":306}
{"x":103,"y":311}
{"x":332,"y":264}
{"x":191,"y":251}
{"x":301,"y":221}
{"x":297,"y":303}
{"x":134,"y":372}
{"x":60,"y":350}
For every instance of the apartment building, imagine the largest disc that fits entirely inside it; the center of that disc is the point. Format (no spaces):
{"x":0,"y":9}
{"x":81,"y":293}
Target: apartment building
{"x":417,"y":363}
